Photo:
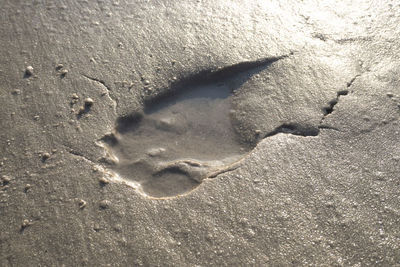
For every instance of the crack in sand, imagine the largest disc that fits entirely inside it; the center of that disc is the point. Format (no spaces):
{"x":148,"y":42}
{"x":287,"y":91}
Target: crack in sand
{"x":107,"y":92}
{"x":309,"y":130}
{"x":331,"y":105}
{"x":79,"y":155}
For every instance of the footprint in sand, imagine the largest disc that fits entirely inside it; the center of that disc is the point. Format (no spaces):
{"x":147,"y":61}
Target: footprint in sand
{"x":181,"y":139}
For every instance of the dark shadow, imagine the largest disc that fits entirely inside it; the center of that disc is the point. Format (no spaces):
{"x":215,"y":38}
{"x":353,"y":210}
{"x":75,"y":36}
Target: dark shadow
{"x":27,"y":75}
{"x":329,"y":109}
{"x":129,"y":122}
{"x":295,"y":129}
{"x":237,"y":73}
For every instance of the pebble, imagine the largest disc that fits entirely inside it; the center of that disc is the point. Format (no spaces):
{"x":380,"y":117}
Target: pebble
{"x":153,"y":152}
{"x":45,"y":156}
{"x":59,"y":66}
{"x":16,"y":92}
{"x":89,"y":102}
{"x":6,"y":179}
{"x":63,"y":72}
{"x":82,"y":204}
{"x":29,"y":70}
{"x":25,"y":223}
{"x":75,"y":96}
{"x":104,"y":181}
{"x":104,"y":204}
{"x":27,"y":187}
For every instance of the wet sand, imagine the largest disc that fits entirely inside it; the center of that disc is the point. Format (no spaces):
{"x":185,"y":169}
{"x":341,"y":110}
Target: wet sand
{"x":116,"y":115}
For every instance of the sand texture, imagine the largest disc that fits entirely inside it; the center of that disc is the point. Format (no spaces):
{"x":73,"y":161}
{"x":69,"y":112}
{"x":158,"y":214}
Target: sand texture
{"x":199,"y":133}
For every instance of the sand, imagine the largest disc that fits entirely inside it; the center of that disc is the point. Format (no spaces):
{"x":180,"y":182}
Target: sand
{"x":194,"y":133}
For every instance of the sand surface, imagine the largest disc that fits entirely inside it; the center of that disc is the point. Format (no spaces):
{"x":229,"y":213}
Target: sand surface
{"x":194,"y":133}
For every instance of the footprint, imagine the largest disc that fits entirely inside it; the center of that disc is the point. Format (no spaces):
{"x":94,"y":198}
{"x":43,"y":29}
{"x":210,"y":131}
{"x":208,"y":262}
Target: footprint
{"x":184,"y":137}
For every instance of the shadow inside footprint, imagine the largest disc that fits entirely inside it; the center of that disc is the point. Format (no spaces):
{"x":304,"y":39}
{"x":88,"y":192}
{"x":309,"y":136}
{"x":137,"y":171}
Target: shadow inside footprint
{"x":169,"y":182}
{"x":181,"y":138}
